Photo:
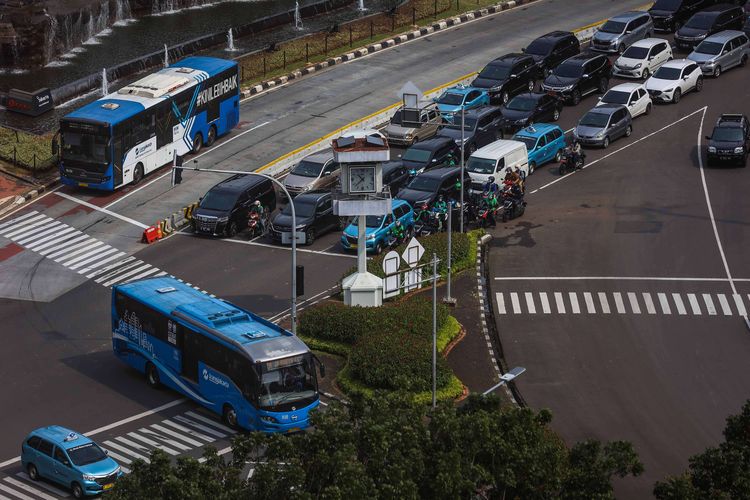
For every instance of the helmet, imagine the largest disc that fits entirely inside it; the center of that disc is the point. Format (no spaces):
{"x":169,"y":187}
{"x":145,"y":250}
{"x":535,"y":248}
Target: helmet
{"x":424,"y":206}
{"x":256,"y":203}
{"x":491,"y":179}
{"x":398,"y":223}
{"x":440,"y":198}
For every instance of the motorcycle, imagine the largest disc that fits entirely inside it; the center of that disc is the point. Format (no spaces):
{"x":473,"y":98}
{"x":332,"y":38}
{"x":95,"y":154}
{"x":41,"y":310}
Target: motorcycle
{"x":571,"y":162}
{"x":257,"y":226}
{"x":393,"y":241}
{"x":512,"y":208}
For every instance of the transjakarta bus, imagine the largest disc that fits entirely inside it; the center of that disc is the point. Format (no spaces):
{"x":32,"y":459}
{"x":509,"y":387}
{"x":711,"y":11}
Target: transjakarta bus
{"x":122,"y":137}
{"x":250,"y":371}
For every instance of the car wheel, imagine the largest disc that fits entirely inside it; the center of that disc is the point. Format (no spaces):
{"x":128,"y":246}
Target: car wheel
{"x":32,"y":471}
{"x":197,"y":143}
{"x":699,"y":84}
{"x":603,"y":84}
{"x":378,"y":248}
{"x":558,"y":156}
{"x":676,"y":96}
{"x":310,"y":236}
{"x":555,"y":115}
{"x":77,"y":490}
{"x":576,"y":97}
{"x":628,"y":131}
{"x":232,"y":229}
{"x":605,"y":144}
{"x":138,"y":174}
{"x":230,"y":416}
{"x":211,"y":136}
{"x":646,"y":73}
{"x":717,"y":71}
{"x":531,"y":85}
{"x":648,"y":109}
{"x":152,"y":376}
{"x":532,"y":167}
{"x":743,"y":61}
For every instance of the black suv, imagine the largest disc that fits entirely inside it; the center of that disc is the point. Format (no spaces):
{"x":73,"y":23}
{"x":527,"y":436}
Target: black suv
{"x":730,"y":140}
{"x":526,"y":109}
{"x":427,"y":186}
{"x":428,"y":154}
{"x":481,"y":127}
{"x":314,"y":213}
{"x":578,"y":76}
{"x":395,"y":175}
{"x":224,"y":209}
{"x":508,"y":75}
{"x":553,"y":48}
{"x":670,"y":15}
{"x":707,"y":22}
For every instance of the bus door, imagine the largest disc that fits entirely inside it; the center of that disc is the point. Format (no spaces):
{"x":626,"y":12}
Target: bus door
{"x":118,"y":157}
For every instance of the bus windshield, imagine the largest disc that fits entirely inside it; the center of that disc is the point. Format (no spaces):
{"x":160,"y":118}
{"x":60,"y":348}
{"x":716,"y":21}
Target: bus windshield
{"x":85,"y":147}
{"x":287,"y":380}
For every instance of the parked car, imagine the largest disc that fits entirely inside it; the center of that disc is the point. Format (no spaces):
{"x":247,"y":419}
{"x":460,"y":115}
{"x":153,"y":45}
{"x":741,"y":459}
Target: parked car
{"x":641,"y":59}
{"x":721,"y":52}
{"x":452,"y":100}
{"x":223,"y":210}
{"x":707,"y":22}
{"x":400,"y":131}
{"x":544,"y":143}
{"x":507,"y":76}
{"x":674,"y":79}
{"x":604,"y":124}
{"x":429,"y":154}
{"x":427,"y":186}
{"x":314,"y":172}
{"x":395,"y":175}
{"x":633,"y":96}
{"x":481,"y":127}
{"x":578,"y":76}
{"x":746,"y":27}
{"x":314,"y":214}
{"x":620,"y":31}
{"x":730,"y":140}
{"x":525,"y":109}
{"x":379,"y":227}
{"x":551,"y":49}
{"x":494,"y":159}
{"x":70,"y":459}
{"x":670,"y":15}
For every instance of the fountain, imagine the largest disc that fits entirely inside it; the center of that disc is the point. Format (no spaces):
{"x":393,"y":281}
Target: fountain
{"x":230,"y":41}
{"x":166,"y":56}
{"x":105,"y":84}
{"x":297,"y":17}
{"x":361,"y":6}
{"x":123,"y":14}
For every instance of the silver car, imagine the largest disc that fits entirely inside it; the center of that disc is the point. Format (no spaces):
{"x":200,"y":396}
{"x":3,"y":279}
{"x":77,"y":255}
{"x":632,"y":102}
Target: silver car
{"x":604,"y":124}
{"x":315,"y":171}
{"x":721,"y":51}
{"x":401,"y":132}
{"x":619,"y":32}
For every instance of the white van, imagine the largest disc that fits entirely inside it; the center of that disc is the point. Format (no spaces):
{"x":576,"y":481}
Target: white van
{"x":493,"y":160}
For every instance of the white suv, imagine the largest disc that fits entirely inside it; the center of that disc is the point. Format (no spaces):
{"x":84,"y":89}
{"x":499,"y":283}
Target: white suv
{"x":643,"y":58}
{"x":674,"y":79}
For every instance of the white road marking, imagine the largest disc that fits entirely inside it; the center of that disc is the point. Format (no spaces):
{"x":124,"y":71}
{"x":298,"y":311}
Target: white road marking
{"x":516,"y":303}
{"x":679,"y":304}
{"x":92,"y":243}
{"x":664,"y":303}
{"x":77,"y":242}
{"x":199,"y":426}
{"x":649,"y":303}
{"x":545,"y":302}
{"x":188,"y":431}
{"x":589,"y":300}
{"x":559,"y":303}
{"x":168,"y":440}
{"x":211,"y":422}
{"x":30,"y":489}
{"x":101,"y":262}
{"x":15,"y":493}
{"x":603,"y":302}
{"x":739,"y":304}
{"x":45,"y":232}
{"x":116,"y":270}
{"x":121,"y":277}
{"x":15,"y":232}
{"x":694,"y":304}
{"x":118,"y":457}
{"x":18,"y":219}
{"x":57,"y":491}
{"x":279,"y":247}
{"x":724,"y":304}
{"x":69,"y":234}
{"x":619,"y":304}
{"x":500,"y":303}
{"x":96,"y":256}
{"x":127,"y":451}
{"x":633,"y":299}
{"x":530,"y":302}
{"x":103,"y":210}
{"x":575,"y":309}
{"x":177,"y":435}
{"x":709,"y":304}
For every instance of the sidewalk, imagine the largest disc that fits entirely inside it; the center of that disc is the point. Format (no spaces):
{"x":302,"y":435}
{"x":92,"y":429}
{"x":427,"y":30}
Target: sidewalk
{"x":18,"y":186}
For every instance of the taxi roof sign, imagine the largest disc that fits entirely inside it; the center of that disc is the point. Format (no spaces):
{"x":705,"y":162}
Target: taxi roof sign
{"x":72,"y":436}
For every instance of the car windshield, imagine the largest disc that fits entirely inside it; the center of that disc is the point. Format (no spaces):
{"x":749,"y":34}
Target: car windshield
{"x":592,"y":119}
{"x":615,"y":27}
{"x":669,"y":5}
{"x":700,"y":21}
{"x":529,"y":141}
{"x":287,"y":380}
{"x":568,"y":70}
{"x":634,"y":52}
{"x":665,"y":73}
{"x":520,"y":103}
{"x":455,"y":124}
{"x":710,"y":48}
{"x":495,"y":72}
{"x":86,"y":454}
{"x":417,"y":155}
{"x":307,"y":169}
{"x":218,"y":199}
{"x":427,"y":184}
{"x":616,"y":97}
{"x":480,"y":165}
{"x":370,"y":221}
{"x":727,"y":134}
{"x":539,"y":47}
{"x":451,"y":99}
{"x":301,"y":208}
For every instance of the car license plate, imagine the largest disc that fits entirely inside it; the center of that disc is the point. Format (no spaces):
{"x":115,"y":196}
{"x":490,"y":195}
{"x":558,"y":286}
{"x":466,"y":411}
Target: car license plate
{"x":108,"y":486}
{"x":83,"y":184}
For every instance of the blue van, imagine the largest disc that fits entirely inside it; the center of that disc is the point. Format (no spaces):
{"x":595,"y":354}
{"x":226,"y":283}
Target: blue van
{"x":70,"y":459}
{"x":378,"y":227}
{"x":544,"y":143}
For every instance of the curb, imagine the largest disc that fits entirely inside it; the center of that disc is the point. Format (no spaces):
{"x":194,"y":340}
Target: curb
{"x":173,"y":223}
{"x":17,"y":201}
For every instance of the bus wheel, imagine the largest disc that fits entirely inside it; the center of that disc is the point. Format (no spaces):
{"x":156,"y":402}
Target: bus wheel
{"x":211,"y":136}
{"x":152,"y":376}
{"x":230,"y":416}
{"x":197,"y":143}
{"x":138,"y":174}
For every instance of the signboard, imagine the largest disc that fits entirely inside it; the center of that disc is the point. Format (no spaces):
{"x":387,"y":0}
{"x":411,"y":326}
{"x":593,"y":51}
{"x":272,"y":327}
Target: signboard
{"x":391,"y":285}
{"x":413,"y":252}
{"x":29,"y":103}
{"x":411,"y":279}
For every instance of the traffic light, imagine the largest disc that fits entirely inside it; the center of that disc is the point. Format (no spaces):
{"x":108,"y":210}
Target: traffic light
{"x":177,"y":170}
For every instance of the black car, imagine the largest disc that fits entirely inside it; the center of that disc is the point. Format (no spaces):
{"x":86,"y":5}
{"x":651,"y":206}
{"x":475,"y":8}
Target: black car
{"x":428,"y":154}
{"x":707,"y":22}
{"x":525,"y":109}
{"x":314,"y":213}
{"x":670,"y":15}
{"x":507,"y":76}
{"x":730,"y":140}
{"x":578,"y":76}
{"x":395,"y":175}
{"x":553,"y":48}
{"x":746,"y":28}
{"x":223,"y":211}
{"x":481,"y":127}
{"x":427,"y":186}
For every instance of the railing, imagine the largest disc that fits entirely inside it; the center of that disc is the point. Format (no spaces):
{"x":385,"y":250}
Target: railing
{"x":28,"y":151}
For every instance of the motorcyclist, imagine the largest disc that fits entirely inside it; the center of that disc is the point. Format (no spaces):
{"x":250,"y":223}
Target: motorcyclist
{"x":258,"y":209}
{"x":577,"y":153}
{"x":441,"y":209}
{"x":398,"y":232}
{"x":424,"y":213}
{"x":490,"y":186}
{"x":489,"y":201}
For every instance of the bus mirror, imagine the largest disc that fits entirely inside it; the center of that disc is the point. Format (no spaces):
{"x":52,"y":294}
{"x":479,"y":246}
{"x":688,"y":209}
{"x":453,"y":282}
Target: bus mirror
{"x":55,"y":146}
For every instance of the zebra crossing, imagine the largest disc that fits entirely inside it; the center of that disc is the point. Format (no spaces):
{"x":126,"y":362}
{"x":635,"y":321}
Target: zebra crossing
{"x":180,"y":434}
{"x":643,"y":303}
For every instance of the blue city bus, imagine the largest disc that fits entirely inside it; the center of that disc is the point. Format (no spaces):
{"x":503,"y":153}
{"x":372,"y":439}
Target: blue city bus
{"x":253,"y":373}
{"x":122,"y":137}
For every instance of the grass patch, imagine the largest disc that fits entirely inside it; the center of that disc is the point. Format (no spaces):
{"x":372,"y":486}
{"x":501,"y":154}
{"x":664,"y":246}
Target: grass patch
{"x":29,"y":151}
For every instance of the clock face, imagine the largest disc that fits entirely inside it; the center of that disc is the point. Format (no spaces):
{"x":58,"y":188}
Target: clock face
{"x":362,"y":179}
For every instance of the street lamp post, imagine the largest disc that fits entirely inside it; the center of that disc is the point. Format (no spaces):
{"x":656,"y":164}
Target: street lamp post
{"x":293,"y":308}
{"x":461,"y":220}
{"x":505,"y":378}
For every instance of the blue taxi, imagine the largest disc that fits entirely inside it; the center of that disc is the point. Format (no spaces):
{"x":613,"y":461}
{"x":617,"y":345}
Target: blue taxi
{"x":453,"y":99}
{"x":544,"y":143}
{"x":378,"y":227}
{"x":70,"y":459}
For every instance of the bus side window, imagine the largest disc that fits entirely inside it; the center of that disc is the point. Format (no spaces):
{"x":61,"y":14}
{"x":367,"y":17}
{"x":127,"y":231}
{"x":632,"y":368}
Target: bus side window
{"x":190,"y":353}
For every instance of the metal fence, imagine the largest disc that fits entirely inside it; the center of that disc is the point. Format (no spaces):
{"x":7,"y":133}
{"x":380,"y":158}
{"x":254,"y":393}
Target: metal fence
{"x":24,"y":150}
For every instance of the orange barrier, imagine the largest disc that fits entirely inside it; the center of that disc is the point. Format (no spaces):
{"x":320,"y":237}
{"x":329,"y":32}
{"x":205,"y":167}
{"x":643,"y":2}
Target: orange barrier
{"x":152,"y":234}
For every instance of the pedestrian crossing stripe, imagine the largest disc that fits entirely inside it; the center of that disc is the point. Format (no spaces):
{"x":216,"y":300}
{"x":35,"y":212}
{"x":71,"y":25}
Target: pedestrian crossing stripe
{"x":77,"y":251}
{"x":608,"y":303}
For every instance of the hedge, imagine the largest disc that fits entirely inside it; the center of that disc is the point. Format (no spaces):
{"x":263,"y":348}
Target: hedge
{"x":352,"y":386}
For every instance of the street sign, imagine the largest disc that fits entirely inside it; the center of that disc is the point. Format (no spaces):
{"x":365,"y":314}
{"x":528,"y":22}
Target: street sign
{"x":413,"y":253}
{"x":410,"y":95}
{"x":286,"y":238}
{"x":391,"y":263}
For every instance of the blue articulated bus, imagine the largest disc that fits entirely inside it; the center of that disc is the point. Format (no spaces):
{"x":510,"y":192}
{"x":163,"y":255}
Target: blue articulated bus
{"x":120,"y":138}
{"x":253,"y":373}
